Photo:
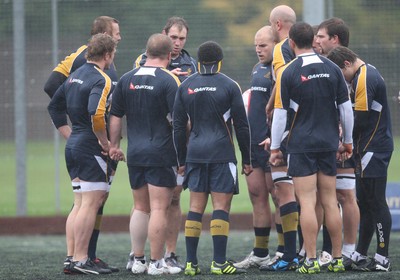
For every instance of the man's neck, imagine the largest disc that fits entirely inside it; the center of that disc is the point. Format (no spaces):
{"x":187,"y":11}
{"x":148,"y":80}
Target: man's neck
{"x":358,"y":63}
{"x":283,"y":35}
{"x":175,"y":56}
{"x":156,"y":62}
{"x":303,"y":51}
{"x":100,"y":64}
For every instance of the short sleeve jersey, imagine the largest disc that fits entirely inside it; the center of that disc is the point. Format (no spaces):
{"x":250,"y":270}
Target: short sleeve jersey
{"x":83,"y":97}
{"x":310,"y":88}
{"x":282,"y":55}
{"x":211,"y":103}
{"x":261,"y":85}
{"x":369,"y":95}
{"x":146,"y":96}
{"x":77,"y":59}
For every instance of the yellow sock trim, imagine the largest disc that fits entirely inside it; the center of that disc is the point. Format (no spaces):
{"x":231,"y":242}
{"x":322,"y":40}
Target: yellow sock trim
{"x":290,"y":222}
{"x":261,"y":242}
{"x":97,"y":223}
{"x":281,"y":240}
{"x":219,"y":227}
{"x":192,"y":228}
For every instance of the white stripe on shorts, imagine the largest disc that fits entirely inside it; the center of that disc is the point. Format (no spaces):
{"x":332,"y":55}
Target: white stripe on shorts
{"x":366,"y":159}
{"x":179,"y":178}
{"x":233,"y":169}
{"x":102,"y":163}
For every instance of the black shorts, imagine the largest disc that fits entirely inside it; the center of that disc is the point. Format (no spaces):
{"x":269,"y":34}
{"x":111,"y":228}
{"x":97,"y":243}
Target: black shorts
{"x":87,"y":167}
{"x":260,"y":158}
{"x":373,"y":164}
{"x":211,"y":177}
{"x":305,"y":164}
{"x":155,"y":175}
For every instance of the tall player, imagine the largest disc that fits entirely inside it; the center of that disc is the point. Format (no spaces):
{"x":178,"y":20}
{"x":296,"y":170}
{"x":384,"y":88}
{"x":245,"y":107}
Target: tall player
{"x":282,"y":18}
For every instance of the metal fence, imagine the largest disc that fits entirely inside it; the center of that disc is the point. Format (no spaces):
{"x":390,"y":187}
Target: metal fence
{"x":74,"y":26}
{"x":66,"y":24}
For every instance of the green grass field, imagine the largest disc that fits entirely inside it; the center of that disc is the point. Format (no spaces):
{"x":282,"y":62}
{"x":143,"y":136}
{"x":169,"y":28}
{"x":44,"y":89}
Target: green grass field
{"x":41,"y":191}
{"x":41,"y":257}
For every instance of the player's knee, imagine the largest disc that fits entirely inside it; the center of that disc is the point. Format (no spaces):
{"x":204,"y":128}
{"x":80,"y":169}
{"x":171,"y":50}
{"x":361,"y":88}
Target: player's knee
{"x":176,"y":201}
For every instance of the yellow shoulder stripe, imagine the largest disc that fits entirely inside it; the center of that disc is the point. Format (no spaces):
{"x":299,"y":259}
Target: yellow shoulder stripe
{"x":64,"y":67}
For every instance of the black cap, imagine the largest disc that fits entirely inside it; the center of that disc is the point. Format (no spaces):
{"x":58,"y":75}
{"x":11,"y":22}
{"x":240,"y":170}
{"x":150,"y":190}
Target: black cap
{"x":209,"y":57}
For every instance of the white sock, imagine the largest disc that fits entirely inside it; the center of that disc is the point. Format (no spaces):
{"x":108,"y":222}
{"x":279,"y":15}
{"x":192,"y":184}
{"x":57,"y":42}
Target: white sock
{"x":302,"y":252}
{"x":381,"y":259}
{"x":82,"y":262}
{"x":308,"y":261}
{"x":158,"y":263}
{"x":356,"y":256}
{"x":347,"y":249}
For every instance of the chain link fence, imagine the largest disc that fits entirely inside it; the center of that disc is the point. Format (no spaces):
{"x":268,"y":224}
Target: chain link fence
{"x":374,"y":35}
{"x":373,"y":26}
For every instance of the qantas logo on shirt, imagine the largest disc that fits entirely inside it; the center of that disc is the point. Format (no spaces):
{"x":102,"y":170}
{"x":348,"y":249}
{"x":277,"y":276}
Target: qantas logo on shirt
{"x":135,"y":87}
{"x":193,"y":91}
{"x":75,"y":81}
{"x":259,"y":89}
{"x":314,"y":76}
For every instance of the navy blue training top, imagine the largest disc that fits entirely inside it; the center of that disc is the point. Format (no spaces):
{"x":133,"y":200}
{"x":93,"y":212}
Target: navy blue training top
{"x":146,"y":95}
{"x":261,"y":85}
{"x":310,"y":87}
{"x":211,"y":103}
{"x":83,"y":96}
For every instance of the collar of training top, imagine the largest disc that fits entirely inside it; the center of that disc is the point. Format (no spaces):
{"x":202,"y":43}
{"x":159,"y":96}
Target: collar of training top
{"x":209,"y":68}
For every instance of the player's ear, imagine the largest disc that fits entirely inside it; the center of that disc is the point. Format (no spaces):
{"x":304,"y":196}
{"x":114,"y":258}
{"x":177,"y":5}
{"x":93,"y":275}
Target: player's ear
{"x":292,"y":44}
{"x":336,"y":38}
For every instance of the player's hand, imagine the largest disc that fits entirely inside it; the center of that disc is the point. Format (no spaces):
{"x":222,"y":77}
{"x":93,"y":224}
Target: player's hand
{"x":181,"y":170}
{"x":178,"y":72}
{"x":266,"y":143}
{"x":345,"y":151}
{"x":247,"y":169}
{"x":276,"y":158}
{"x":117,"y":154}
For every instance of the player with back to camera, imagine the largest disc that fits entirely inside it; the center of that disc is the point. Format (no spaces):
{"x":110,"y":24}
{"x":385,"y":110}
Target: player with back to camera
{"x":310,"y":90}
{"x":182,"y":65}
{"x":208,"y":158}
{"x":146,"y":95}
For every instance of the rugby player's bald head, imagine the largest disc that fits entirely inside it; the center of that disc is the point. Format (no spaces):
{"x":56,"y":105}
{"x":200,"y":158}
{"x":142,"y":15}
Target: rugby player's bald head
{"x":264,"y":31}
{"x":283,"y":13}
{"x":158,"y":46}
